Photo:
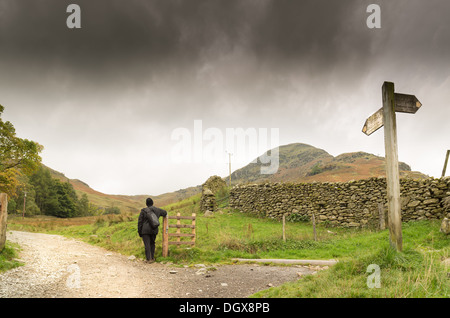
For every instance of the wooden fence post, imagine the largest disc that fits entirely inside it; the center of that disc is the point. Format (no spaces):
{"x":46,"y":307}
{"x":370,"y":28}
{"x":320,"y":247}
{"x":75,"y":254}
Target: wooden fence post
{"x":178,"y":228}
{"x":165,"y":243}
{"x":314,"y":226}
{"x":194,"y":215}
{"x":3,"y":219}
{"x":381,"y":216}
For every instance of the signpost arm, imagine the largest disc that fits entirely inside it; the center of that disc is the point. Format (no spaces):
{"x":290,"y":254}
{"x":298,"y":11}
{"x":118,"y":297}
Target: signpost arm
{"x":445,"y":164}
{"x":392,"y":173}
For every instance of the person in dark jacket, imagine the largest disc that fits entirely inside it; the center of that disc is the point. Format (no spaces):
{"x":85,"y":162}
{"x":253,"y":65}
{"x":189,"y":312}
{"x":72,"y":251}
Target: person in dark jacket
{"x":146,"y":231}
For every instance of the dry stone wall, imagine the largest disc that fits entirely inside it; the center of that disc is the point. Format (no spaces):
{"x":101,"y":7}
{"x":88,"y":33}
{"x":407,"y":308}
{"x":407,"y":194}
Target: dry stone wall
{"x":349,"y":204}
{"x":209,"y":188}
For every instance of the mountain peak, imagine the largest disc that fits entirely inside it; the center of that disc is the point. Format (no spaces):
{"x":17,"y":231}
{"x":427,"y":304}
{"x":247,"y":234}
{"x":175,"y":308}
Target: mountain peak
{"x":299,"y":162}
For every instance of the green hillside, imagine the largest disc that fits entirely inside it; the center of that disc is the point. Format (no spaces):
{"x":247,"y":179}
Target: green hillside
{"x":126,"y":203}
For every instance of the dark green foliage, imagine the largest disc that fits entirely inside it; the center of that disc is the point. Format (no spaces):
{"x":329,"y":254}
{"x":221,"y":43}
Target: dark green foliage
{"x":112,"y":210}
{"x":83,"y":205}
{"x":66,"y":197}
{"x":17,"y":156}
{"x":49,"y":196}
{"x":316,"y":169}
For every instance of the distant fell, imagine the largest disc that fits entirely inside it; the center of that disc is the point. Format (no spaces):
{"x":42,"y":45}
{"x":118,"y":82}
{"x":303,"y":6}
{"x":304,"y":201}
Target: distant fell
{"x":300,"y":162}
{"x":126,"y":203}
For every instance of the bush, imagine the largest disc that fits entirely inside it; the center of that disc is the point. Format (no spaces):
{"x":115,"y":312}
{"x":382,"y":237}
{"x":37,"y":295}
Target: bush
{"x":316,"y":169}
{"x":112,"y":210}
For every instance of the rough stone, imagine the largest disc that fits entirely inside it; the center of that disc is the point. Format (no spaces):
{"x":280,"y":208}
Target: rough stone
{"x":413,"y":204}
{"x":209,"y":189}
{"x":431,"y":201}
{"x":351,"y":204}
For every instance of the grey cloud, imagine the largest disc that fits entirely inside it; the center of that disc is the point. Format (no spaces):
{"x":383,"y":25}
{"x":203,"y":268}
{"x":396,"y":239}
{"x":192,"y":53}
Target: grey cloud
{"x":296,"y":65}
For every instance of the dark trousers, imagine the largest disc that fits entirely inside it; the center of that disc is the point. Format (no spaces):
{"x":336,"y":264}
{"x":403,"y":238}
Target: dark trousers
{"x":149,"y":243}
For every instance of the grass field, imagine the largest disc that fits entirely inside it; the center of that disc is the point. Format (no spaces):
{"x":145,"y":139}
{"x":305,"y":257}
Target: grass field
{"x":418,"y":271}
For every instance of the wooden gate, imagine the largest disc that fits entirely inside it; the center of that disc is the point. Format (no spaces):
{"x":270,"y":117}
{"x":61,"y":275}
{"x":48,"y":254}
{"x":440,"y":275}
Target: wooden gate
{"x":178,"y":234}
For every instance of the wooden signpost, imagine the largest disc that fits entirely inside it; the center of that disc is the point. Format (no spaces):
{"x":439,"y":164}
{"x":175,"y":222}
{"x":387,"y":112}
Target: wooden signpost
{"x":445,"y":163}
{"x":392,"y":102}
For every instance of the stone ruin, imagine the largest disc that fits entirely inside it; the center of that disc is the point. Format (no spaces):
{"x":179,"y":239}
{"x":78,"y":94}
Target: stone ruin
{"x":208,"y":203}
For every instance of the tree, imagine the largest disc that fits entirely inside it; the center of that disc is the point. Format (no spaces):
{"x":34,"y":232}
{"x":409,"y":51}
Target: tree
{"x":63,"y":201}
{"x":17,"y":156}
{"x":57,"y":198}
{"x":112,"y":210}
{"x":42,"y":181}
{"x":83,"y":205}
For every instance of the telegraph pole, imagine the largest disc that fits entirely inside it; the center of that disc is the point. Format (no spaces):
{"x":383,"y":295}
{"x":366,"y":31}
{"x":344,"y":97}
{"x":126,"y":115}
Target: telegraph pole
{"x":229,"y":165}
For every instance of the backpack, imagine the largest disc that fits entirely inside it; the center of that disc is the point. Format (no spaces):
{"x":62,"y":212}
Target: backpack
{"x":153,"y":220}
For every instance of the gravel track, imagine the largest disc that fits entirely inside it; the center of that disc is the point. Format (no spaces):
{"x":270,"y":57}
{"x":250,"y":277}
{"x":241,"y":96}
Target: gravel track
{"x":59,"y":267}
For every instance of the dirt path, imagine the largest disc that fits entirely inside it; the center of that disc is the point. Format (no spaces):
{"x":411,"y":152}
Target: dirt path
{"x":60,"y":267}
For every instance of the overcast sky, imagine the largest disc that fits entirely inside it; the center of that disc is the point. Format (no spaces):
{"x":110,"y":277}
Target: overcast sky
{"x":104,"y":100}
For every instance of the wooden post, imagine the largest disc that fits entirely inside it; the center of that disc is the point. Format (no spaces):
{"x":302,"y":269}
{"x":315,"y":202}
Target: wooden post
{"x":165,"y":243}
{"x":314,"y":226}
{"x":381,"y":216}
{"x":193,"y":228}
{"x":179,"y":227}
{"x":3,"y":219}
{"x":445,"y":164}
{"x":284,"y":227}
{"x":392,"y":102}
{"x":392,"y":173}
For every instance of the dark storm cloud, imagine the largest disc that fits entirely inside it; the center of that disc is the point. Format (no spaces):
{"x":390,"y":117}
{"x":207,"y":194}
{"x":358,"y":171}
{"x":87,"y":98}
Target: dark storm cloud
{"x":116,"y":31}
{"x":154,"y":33}
{"x":137,"y":69}
{"x":136,"y":37}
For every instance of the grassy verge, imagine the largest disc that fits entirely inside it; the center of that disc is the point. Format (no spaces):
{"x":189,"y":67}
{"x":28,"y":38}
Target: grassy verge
{"x":416,"y":272}
{"x":8,"y":257}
